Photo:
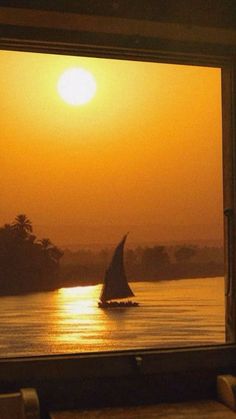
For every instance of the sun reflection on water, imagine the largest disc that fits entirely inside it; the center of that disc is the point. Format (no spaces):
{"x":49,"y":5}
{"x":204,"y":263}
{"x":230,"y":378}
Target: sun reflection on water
{"x":175,"y":313}
{"x":78,"y":300}
{"x":185,"y":312}
{"x":77,"y":315}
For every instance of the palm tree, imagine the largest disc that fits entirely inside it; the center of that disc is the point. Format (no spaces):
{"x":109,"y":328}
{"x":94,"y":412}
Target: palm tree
{"x":48,"y":247}
{"x":51,"y":251}
{"x":55,"y":254}
{"x":22,"y":225}
{"x":46,"y":244}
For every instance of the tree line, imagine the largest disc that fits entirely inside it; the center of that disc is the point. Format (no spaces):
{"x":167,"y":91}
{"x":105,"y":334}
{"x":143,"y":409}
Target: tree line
{"x":29,"y":264}
{"x":145,"y":263}
{"x":26,"y":263}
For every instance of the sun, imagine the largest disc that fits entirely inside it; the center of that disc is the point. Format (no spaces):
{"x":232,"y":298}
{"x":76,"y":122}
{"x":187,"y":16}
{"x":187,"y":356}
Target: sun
{"x":76,"y":86}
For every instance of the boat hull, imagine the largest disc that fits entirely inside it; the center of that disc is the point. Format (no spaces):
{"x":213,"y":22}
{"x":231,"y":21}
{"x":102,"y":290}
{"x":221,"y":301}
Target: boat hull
{"x":117,"y":304}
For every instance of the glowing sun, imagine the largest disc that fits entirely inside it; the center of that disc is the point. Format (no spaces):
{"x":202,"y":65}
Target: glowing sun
{"x":76,"y":86}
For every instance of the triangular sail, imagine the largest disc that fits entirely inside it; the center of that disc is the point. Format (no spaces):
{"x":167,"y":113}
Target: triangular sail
{"x":115,"y":282}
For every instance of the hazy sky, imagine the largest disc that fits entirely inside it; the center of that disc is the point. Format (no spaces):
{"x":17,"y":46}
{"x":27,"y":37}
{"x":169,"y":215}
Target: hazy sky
{"x":144,"y":154}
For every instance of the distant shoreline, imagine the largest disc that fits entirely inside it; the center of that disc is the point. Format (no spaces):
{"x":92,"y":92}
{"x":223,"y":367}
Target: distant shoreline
{"x":86,"y":283}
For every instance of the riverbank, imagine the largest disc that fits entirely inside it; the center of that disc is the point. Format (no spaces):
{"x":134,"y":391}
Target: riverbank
{"x":173,"y":272}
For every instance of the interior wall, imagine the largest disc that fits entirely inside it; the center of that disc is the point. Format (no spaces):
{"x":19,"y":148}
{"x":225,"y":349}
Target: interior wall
{"x":216,"y":13}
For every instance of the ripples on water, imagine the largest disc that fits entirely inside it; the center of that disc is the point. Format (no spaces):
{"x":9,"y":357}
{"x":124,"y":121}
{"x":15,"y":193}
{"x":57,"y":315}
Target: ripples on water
{"x":171,"y":313}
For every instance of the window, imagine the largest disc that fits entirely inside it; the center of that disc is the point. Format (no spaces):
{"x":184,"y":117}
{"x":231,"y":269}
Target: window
{"x":99,"y":147}
{"x":139,"y":49}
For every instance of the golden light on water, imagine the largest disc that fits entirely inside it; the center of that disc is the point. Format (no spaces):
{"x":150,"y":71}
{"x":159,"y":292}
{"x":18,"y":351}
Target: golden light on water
{"x":77,"y":291}
{"x":181,"y":313}
{"x":78,"y":300}
{"x":78,"y":317}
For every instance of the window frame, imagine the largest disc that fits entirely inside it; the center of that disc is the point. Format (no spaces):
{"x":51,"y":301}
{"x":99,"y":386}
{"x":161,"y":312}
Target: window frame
{"x":74,"y":34}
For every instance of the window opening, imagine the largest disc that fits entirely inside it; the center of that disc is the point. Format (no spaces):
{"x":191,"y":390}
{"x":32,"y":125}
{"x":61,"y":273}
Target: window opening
{"x":92,"y":149}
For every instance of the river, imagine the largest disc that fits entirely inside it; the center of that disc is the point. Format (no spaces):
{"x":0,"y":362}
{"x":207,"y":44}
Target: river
{"x":173,"y":313}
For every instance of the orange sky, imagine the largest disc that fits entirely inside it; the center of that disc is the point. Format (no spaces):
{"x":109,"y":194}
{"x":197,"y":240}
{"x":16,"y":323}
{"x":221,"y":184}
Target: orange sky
{"x":144,"y":154}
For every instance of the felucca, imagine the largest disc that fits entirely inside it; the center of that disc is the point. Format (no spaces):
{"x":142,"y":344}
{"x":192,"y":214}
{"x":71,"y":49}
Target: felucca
{"x":115,"y":286}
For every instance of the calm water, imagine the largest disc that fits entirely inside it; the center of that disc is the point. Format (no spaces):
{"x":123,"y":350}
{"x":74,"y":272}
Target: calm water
{"x":171,"y":313}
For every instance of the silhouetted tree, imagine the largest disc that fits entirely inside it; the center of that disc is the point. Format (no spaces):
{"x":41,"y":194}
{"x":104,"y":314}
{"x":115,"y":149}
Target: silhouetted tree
{"x":22,"y":225}
{"x":26,"y":265}
{"x":45,"y":244}
{"x":184,"y":253}
{"x":155,"y":260}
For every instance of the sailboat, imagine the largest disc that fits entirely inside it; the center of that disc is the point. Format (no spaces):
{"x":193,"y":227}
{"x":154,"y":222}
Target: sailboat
{"x":115,"y":284}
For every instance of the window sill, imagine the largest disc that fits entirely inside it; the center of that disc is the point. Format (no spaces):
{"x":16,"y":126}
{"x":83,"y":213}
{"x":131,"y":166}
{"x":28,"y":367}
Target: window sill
{"x":205,"y":409}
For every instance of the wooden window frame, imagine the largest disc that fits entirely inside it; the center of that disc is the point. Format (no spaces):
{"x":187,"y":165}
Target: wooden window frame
{"x":173,"y":374}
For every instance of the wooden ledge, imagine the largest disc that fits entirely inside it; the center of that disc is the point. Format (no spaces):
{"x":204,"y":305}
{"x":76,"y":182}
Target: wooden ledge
{"x":206,"y":409}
